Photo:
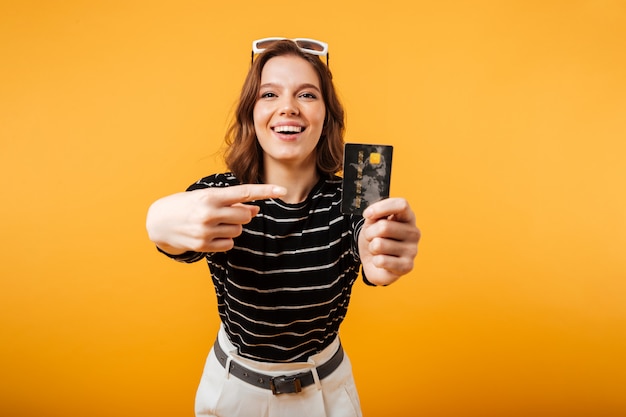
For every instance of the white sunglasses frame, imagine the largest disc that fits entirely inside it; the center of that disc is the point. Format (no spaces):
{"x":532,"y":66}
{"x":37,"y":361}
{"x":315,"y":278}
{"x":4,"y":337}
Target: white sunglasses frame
{"x":323,"y":52}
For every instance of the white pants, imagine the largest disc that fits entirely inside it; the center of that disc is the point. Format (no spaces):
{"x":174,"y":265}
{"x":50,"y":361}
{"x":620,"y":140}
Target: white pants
{"x":223,"y":395}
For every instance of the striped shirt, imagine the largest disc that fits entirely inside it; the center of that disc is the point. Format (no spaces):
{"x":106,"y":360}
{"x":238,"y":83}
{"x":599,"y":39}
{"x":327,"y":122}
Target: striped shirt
{"x":284,"y":288}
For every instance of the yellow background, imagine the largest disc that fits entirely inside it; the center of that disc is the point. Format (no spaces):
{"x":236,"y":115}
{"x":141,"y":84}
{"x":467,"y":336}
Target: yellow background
{"x":509,"y":124}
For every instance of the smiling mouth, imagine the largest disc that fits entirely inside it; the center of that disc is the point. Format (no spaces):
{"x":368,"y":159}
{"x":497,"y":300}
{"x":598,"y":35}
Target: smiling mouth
{"x":288,"y":130}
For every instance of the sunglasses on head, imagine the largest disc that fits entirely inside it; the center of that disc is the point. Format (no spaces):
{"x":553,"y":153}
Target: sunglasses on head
{"x":310,"y":46}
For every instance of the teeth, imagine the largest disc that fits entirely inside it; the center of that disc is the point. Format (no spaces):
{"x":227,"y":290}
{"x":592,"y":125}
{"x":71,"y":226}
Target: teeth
{"x":288,"y":129}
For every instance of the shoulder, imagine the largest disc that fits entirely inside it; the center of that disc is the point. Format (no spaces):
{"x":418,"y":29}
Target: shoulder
{"x":327,"y":191}
{"x":331,"y":184}
{"x":332,"y":188}
{"x":215,"y":180}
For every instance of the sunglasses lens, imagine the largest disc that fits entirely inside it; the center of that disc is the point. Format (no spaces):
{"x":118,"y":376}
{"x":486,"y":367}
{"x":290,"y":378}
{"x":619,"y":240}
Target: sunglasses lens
{"x":264,"y":44}
{"x":311,"y":46}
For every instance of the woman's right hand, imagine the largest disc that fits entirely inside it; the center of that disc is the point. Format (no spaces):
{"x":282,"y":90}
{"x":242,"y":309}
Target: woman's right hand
{"x":205,"y":220}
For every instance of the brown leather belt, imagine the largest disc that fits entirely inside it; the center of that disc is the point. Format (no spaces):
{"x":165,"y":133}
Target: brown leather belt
{"x":284,"y":384}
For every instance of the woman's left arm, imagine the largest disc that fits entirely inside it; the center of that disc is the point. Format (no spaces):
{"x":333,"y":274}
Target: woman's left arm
{"x":388,"y":241}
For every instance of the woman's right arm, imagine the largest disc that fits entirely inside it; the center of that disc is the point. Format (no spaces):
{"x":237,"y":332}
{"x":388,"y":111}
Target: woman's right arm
{"x":205,"y":220}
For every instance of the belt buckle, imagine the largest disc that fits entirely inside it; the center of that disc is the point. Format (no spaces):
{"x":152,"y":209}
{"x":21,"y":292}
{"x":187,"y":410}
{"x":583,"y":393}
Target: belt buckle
{"x":285,"y":385}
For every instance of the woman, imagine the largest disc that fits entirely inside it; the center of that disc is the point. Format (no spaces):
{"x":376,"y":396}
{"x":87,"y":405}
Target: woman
{"x":282,"y":256}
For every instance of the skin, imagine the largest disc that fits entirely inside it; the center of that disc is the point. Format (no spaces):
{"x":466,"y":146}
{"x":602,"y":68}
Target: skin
{"x":208,"y":220}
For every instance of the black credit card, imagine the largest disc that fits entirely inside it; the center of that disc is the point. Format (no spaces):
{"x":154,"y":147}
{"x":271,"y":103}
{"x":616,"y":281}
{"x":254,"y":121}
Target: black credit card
{"x":366,"y":176}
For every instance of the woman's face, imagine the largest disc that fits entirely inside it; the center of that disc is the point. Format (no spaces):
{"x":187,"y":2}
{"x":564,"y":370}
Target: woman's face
{"x":289,"y":112}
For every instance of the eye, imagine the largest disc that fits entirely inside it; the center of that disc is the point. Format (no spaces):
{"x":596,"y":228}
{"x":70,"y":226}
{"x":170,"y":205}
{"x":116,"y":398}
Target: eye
{"x":268,"y":94}
{"x":309,"y":95}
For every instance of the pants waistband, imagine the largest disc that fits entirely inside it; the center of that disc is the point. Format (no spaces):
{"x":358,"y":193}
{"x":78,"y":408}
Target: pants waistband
{"x":278,"y":384}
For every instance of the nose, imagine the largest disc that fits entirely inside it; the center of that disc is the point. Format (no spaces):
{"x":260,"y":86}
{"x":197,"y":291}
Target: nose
{"x":289,"y":107}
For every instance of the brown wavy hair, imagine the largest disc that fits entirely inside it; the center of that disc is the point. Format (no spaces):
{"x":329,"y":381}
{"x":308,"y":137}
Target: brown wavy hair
{"x":244,"y":155}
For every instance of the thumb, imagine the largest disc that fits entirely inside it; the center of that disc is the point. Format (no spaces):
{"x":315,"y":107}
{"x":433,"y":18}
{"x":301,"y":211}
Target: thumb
{"x":254,"y":210}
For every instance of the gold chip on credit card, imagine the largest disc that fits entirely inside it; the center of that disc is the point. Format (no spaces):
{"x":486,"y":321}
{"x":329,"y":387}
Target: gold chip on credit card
{"x":374,"y":158}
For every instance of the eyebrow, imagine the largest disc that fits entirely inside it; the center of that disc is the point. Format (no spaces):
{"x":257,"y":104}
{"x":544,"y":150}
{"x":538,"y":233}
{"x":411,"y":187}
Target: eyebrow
{"x":300,"y":87}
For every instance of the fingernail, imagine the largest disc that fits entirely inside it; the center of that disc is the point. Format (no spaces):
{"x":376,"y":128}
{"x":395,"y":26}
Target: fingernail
{"x":279,"y":190}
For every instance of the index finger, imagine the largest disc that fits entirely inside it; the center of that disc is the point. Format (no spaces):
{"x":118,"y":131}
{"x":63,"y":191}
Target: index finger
{"x":397,"y":207}
{"x":249,"y":192}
